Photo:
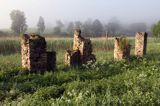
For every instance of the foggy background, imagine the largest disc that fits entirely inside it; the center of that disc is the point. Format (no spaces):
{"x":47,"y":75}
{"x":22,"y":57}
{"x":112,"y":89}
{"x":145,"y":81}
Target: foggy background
{"x":63,"y":13}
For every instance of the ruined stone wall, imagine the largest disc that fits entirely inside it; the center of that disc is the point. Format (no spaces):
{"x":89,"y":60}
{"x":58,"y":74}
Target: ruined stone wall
{"x":51,"y":60}
{"x":140,"y":43}
{"x":25,"y":51}
{"x":121,"y":49}
{"x":34,"y":55}
{"x":72,"y":58}
{"x":82,"y":45}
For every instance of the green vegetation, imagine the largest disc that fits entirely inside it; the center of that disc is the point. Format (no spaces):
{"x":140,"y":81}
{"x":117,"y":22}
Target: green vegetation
{"x":156,"y":29}
{"x":123,"y":43}
{"x":107,"y":82}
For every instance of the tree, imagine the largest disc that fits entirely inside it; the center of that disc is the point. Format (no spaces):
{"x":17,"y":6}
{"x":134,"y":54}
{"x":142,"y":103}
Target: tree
{"x":113,"y":27}
{"x":70,"y":28}
{"x":87,"y":28}
{"x":59,"y":24}
{"x":58,"y":28}
{"x":77,"y":25}
{"x":97,"y":28}
{"x":41,"y":25}
{"x":18,"y":21}
{"x":156,"y":29}
{"x":138,"y":27}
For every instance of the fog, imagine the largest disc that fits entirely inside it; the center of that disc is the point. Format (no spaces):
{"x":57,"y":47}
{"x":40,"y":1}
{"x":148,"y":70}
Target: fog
{"x":126,"y":11}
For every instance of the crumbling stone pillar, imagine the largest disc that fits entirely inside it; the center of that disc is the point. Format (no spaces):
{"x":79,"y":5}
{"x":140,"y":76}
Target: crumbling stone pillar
{"x":51,"y":60}
{"x":121,"y":49}
{"x":140,"y":43}
{"x":72,"y":58}
{"x":84,"y":46}
{"x":34,"y":55}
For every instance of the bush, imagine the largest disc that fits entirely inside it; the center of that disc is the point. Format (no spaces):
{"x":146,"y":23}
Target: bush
{"x":156,"y":29}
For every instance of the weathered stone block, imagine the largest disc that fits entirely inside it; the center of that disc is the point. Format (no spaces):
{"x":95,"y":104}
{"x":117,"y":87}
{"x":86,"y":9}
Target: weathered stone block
{"x":72,"y":58}
{"x":82,"y":51}
{"x":51,"y":61}
{"x":89,"y":59}
{"x":140,"y":43}
{"x":121,"y":49}
{"x":84,"y":46}
{"x":34,"y":55}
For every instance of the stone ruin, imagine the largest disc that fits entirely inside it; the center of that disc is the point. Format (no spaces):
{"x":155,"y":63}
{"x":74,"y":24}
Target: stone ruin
{"x":73,"y":58}
{"x":34,"y":54}
{"x":121,"y":48}
{"x":82,"y":51}
{"x":140,"y":43}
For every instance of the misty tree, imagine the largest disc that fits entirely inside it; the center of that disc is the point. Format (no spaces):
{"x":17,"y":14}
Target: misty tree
{"x":138,"y":27}
{"x":41,"y":25}
{"x":113,"y":27}
{"x":87,"y":28}
{"x":156,"y":29}
{"x":59,"y":23}
{"x":97,"y":28}
{"x":18,"y":18}
{"x":58,"y":28}
{"x":3,"y":33}
{"x":70,"y":28}
{"x":78,"y":25}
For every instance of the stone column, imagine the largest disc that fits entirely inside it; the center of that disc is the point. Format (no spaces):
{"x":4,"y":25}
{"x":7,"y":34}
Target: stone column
{"x":33,"y":50}
{"x":51,"y":61}
{"x":25,"y":51}
{"x":82,"y":50}
{"x":72,"y":58}
{"x":121,"y":49}
{"x":34,"y":55}
{"x":77,"y":40}
{"x":140,"y":43}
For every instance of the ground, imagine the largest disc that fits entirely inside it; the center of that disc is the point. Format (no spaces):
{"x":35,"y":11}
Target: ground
{"x":107,"y":82}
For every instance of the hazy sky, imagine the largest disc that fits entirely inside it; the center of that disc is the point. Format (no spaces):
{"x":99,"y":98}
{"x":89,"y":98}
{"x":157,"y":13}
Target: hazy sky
{"x":126,"y":11}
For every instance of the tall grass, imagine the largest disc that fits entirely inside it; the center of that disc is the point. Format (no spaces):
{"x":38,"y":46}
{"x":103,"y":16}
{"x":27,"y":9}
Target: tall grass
{"x":107,"y":82}
{"x":10,"y":46}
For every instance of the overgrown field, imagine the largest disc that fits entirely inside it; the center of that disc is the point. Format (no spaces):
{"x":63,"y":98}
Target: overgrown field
{"x":107,"y":82}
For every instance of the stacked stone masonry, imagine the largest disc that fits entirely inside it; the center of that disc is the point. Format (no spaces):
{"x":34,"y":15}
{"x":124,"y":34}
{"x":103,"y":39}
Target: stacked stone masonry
{"x":72,"y":58}
{"x":121,"y":49}
{"x":34,"y":54}
{"x":83,"y":46}
{"x":140,"y":43}
{"x":51,"y":60}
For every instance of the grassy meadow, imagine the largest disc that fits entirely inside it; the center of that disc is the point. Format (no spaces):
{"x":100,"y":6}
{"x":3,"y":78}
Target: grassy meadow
{"x":107,"y":82}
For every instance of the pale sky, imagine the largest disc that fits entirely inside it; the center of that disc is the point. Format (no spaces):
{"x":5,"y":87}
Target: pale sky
{"x":127,"y":11}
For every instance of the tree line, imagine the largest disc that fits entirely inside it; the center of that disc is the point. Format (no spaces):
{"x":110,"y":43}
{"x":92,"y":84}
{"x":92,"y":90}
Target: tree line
{"x":90,"y":28}
{"x":95,"y":28}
